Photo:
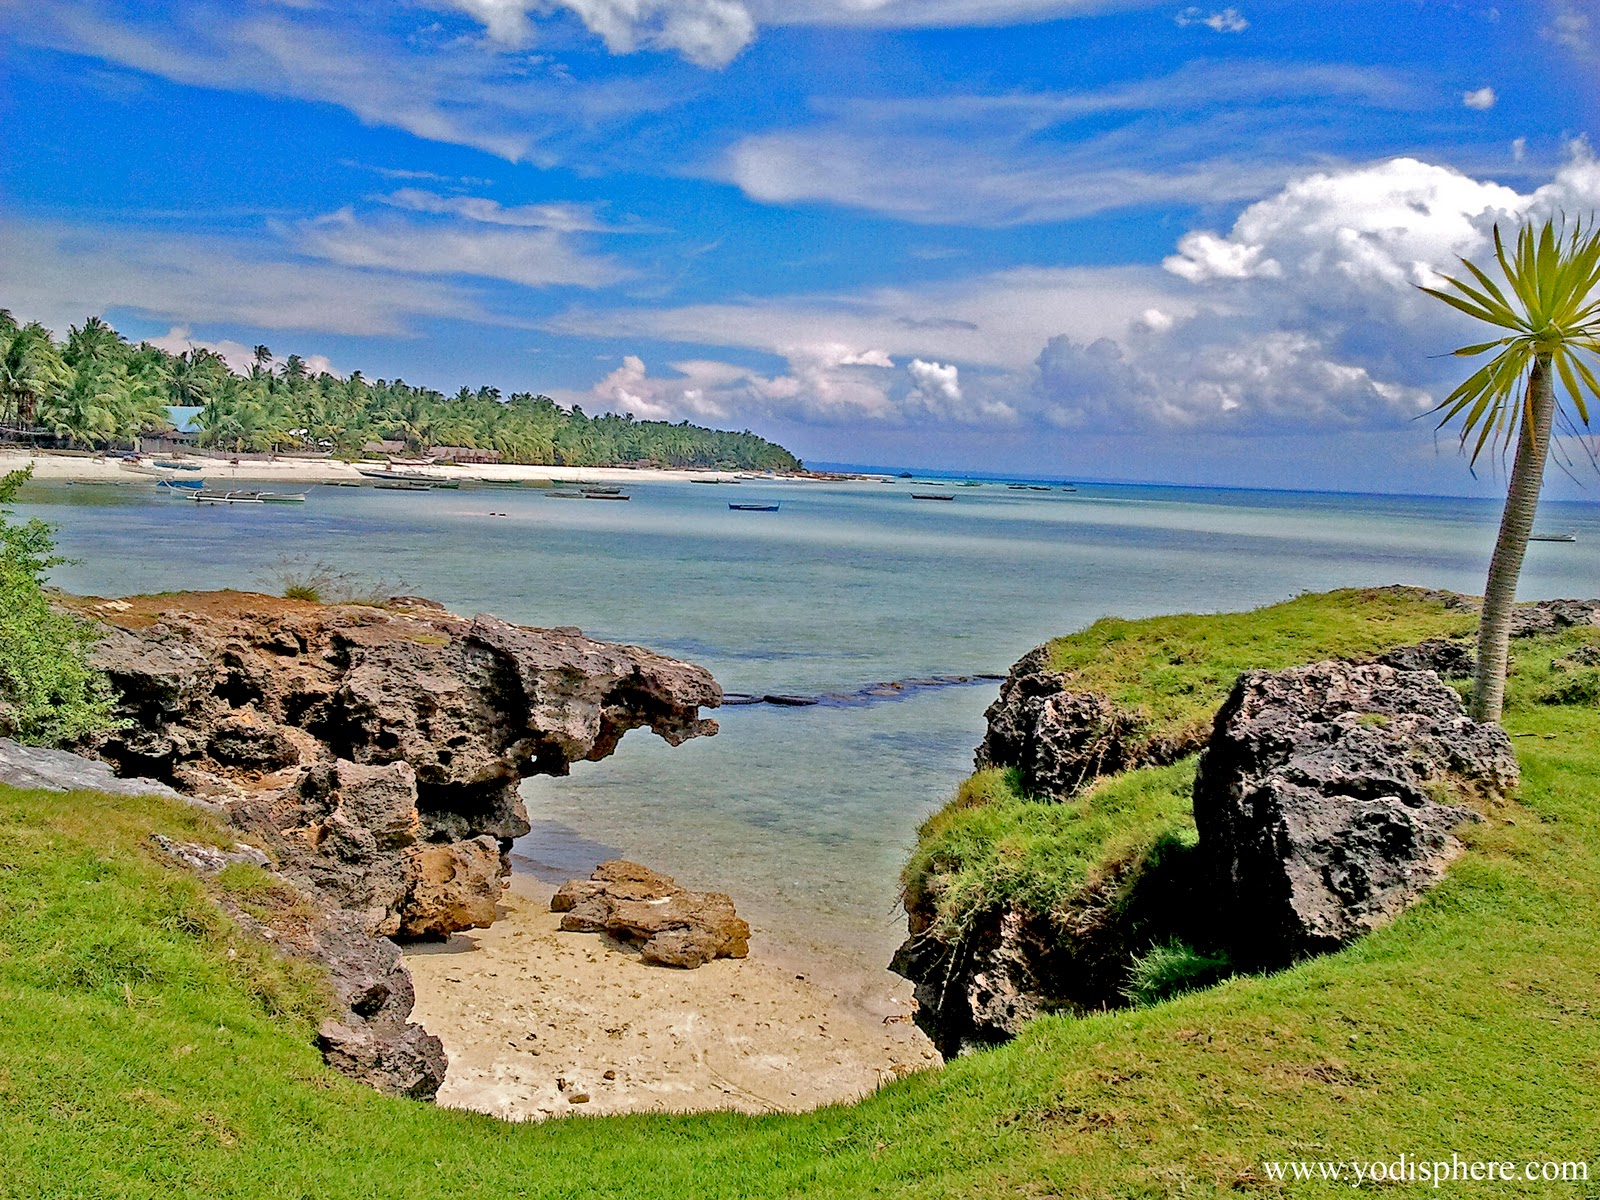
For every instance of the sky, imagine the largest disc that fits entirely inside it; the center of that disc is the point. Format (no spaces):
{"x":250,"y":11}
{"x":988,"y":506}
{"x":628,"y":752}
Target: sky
{"x":1080,"y":238}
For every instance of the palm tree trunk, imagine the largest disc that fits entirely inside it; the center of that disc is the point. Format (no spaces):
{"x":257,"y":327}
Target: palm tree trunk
{"x":1516,"y":523}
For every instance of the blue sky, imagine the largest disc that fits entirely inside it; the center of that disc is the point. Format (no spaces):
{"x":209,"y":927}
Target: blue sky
{"x":1130,"y":240}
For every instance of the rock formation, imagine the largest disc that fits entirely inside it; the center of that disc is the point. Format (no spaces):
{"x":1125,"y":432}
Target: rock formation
{"x":1319,"y":801}
{"x":374,"y":754}
{"x":671,"y":926}
{"x":1058,"y":738}
{"x":375,"y":751}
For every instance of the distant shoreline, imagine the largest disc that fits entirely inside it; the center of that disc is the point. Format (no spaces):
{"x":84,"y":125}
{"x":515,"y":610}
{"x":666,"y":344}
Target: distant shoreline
{"x":71,"y":468}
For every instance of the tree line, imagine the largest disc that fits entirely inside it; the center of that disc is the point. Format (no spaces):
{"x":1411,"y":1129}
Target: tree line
{"x":97,"y":390}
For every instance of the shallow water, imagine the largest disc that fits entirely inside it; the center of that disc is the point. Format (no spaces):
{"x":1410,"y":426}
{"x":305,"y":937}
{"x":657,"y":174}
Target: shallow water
{"x":804,"y":814}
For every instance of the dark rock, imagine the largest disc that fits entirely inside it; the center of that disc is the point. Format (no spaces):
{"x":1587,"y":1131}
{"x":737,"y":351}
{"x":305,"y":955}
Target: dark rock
{"x":1445,"y":658}
{"x":1318,"y":801}
{"x":1583,"y":656}
{"x":672,"y":927}
{"x":410,"y":1064}
{"x":1552,"y":616}
{"x":1059,"y":739}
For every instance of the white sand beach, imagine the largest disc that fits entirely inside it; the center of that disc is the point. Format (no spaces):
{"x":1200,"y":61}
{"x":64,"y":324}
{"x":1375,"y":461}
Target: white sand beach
{"x":540,"y":1023}
{"x":223,"y":471}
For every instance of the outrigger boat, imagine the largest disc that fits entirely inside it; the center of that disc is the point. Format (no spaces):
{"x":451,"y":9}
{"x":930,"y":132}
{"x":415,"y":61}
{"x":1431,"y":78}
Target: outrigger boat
{"x":241,"y":497}
{"x":1552,"y":537}
{"x":754,"y":507}
{"x":930,"y":496}
{"x":181,"y":485}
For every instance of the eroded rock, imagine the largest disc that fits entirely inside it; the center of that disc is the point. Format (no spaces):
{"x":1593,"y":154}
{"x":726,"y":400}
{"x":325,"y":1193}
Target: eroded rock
{"x":1058,"y":738}
{"x":672,"y":926}
{"x":1323,"y":801}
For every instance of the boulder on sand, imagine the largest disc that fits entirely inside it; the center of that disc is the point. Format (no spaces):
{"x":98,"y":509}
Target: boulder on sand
{"x":672,"y":926}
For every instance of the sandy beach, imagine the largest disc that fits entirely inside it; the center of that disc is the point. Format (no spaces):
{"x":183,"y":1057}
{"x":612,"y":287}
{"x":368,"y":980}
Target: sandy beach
{"x":221,"y":471}
{"x":540,"y":1023}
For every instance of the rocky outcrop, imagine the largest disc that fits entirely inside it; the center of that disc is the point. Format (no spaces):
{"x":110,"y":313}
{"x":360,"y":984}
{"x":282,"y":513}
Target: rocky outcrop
{"x":671,"y":926}
{"x":370,"y":1036}
{"x":373,"y":755}
{"x":1059,"y":739}
{"x":1445,"y":658}
{"x":1552,"y":616}
{"x":1320,"y":801}
{"x":375,"y":752}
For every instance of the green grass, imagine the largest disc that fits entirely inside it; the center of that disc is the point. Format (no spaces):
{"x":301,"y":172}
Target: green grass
{"x":138,"y":1060}
{"x":1175,"y":671}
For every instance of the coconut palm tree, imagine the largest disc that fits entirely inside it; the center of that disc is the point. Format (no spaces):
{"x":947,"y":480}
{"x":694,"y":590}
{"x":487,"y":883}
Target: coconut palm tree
{"x":1553,"y":319}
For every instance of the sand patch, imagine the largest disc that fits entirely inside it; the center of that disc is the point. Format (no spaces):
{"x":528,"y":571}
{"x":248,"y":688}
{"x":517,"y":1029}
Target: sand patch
{"x":533,"y":1018}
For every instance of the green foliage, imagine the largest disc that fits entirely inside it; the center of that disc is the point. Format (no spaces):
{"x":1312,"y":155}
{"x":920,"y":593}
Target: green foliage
{"x":49,"y":695}
{"x":154,"y":1068}
{"x":1172,"y":968}
{"x":98,"y":390}
{"x":1553,"y":312}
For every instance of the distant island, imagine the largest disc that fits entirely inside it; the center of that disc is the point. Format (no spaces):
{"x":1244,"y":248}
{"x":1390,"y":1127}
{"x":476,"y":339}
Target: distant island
{"x":97,"y":390}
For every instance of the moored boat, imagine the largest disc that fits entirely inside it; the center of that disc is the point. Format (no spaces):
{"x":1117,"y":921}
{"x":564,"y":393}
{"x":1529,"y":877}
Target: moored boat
{"x":181,"y":485}
{"x":754,"y":507}
{"x":1552,"y":537}
{"x":930,"y":496}
{"x":226,"y":497}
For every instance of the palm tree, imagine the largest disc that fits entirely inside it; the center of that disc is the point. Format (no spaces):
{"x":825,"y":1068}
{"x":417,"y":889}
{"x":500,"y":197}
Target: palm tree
{"x":1553,"y":315}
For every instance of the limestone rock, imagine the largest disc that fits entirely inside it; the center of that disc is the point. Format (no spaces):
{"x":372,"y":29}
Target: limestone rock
{"x":342,"y":736}
{"x":1318,"y":801}
{"x":673,"y":927}
{"x":452,"y":886}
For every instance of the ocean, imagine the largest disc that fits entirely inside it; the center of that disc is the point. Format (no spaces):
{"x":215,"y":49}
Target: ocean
{"x":804,"y":814}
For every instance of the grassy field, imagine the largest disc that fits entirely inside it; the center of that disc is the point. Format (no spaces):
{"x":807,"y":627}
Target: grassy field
{"x":146,"y":1050}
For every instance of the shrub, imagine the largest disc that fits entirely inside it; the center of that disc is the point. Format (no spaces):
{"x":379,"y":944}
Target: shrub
{"x":49,"y":694}
{"x":315,"y":581}
{"x":1172,"y":968}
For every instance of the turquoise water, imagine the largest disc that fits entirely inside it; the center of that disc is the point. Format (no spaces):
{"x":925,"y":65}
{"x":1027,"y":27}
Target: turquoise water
{"x":805,"y":815}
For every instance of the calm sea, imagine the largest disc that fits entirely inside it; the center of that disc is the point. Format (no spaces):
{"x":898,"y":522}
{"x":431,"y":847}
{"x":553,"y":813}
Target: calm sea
{"x":805,"y":814}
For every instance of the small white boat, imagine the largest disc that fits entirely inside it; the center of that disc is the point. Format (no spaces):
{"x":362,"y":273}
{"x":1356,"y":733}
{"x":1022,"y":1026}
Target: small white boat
{"x":226,"y":497}
{"x":1552,"y":537}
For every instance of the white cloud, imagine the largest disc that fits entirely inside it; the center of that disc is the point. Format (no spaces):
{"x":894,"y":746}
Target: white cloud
{"x":825,"y":383}
{"x":428,"y":84}
{"x":1570,"y":27}
{"x":1014,"y":159}
{"x":1304,"y":316}
{"x":1483,"y":99}
{"x":919,"y":14}
{"x":531,"y":257}
{"x":237,"y":355}
{"x":563,"y":218}
{"x":57,"y":273}
{"x":1229,"y":20}
{"x":709,"y":33}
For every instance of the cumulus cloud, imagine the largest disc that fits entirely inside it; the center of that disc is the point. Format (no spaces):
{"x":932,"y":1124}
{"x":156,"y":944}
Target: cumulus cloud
{"x":824,"y":383}
{"x":1483,"y":99}
{"x":1229,"y":20}
{"x":1309,"y":314}
{"x":1570,"y":27}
